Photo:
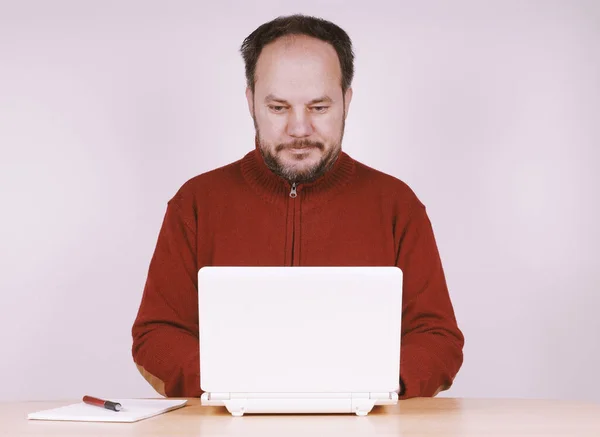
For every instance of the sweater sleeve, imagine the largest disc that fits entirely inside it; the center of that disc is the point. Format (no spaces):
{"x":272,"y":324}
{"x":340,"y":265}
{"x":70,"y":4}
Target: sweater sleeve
{"x":432,"y":344}
{"x":165,"y":331}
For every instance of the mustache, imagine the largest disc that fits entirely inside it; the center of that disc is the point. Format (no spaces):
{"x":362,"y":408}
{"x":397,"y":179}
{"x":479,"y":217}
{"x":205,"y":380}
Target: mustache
{"x":302,"y":144}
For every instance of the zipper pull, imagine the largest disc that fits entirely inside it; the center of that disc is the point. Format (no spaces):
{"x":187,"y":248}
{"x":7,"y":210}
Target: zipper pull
{"x":293,"y":191}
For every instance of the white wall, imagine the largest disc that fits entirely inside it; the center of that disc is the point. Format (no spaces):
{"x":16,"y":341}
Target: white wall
{"x":489,"y":110}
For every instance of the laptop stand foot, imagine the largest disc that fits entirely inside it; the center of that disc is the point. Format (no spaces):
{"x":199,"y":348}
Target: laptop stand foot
{"x":236,"y":408}
{"x":362,"y":407}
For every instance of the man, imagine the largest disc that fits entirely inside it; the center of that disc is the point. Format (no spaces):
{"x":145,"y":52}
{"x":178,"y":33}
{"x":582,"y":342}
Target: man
{"x":295,"y":199}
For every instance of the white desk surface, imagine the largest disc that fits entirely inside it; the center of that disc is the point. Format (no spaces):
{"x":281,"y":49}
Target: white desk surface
{"x":415,"y":417}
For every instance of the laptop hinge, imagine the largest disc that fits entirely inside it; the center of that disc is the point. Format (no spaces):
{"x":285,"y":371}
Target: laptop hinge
{"x":218,"y":396}
{"x":341,"y":395}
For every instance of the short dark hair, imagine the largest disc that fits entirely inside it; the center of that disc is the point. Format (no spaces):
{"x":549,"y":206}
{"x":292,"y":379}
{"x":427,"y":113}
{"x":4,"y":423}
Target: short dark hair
{"x":299,"y":24}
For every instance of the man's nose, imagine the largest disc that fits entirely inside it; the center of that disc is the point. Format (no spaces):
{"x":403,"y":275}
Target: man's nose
{"x":299,"y":124}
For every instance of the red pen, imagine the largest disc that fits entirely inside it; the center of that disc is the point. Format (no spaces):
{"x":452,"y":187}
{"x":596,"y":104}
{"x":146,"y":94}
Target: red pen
{"x":109,"y":405}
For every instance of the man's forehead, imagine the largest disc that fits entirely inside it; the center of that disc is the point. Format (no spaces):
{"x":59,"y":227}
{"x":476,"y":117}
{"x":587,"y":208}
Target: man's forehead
{"x":298,"y":44}
{"x":282,"y":59}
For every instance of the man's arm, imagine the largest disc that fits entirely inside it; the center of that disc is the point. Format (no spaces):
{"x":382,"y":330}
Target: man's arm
{"x":432,"y":343}
{"x":165,"y":332}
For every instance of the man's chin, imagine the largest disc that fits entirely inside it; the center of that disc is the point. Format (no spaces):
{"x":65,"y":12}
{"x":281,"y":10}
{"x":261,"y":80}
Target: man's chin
{"x":298,"y":170}
{"x":300,"y":165}
{"x":299,"y":161}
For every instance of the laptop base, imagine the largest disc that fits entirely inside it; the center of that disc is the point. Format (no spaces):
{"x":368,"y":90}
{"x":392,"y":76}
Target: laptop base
{"x":239,"y":404}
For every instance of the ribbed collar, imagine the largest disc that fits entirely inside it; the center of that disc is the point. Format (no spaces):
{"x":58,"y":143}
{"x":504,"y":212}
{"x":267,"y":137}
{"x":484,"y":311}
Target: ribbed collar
{"x":276,"y":189}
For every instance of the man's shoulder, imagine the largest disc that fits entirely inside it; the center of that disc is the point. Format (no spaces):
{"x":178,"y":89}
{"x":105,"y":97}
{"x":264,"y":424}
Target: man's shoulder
{"x":385,"y":185}
{"x":222,"y":174}
{"x":209,"y":182}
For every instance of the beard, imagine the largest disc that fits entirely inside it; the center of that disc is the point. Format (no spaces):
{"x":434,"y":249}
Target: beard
{"x":291,"y":172}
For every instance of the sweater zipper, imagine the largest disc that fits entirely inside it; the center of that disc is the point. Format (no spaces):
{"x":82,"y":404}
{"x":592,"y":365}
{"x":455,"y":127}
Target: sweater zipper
{"x":293,"y":237}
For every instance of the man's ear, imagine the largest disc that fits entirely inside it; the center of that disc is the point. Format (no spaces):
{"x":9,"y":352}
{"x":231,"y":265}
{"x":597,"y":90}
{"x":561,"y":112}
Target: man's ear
{"x":250,"y":99}
{"x":347,"y":100}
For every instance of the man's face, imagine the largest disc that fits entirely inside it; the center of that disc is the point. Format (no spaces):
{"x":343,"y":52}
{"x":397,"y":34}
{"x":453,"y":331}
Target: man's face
{"x":298,"y":107}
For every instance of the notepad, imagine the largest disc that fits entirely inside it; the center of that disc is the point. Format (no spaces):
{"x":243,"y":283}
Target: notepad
{"x":133,"y":410}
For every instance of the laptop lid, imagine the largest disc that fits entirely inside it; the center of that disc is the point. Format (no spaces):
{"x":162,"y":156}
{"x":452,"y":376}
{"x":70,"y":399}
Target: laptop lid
{"x":299,"y":329}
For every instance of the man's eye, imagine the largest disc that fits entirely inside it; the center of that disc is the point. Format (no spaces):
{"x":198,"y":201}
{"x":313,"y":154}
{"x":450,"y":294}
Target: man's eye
{"x":276,"y":108}
{"x":319,"y":108}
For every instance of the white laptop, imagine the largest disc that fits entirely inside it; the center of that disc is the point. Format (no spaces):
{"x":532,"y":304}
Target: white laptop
{"x":299,"y":339}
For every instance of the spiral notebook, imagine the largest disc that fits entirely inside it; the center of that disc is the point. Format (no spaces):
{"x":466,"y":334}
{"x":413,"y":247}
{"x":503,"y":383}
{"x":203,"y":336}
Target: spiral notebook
{"x":133,"y":410}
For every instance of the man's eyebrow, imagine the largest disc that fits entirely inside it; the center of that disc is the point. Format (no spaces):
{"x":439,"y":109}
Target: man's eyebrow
{"x":322,"y":99}
{"x":272,"y":98}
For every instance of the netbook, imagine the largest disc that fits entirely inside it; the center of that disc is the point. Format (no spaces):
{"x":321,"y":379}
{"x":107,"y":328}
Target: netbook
{"x":299,"y":339}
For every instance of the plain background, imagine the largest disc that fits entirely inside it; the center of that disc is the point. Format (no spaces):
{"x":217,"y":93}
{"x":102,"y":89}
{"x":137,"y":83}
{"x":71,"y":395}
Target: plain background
{"x":489,"y":110}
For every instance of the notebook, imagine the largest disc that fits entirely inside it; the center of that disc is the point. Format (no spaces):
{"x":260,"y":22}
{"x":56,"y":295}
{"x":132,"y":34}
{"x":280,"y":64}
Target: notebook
{"x":133,"y":410}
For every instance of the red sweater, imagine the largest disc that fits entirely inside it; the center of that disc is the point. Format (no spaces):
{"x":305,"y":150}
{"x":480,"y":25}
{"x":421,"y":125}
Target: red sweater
{"x":243,"y":214}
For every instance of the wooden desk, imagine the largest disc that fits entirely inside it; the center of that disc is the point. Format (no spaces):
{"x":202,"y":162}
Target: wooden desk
{"x":415,"y":417}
